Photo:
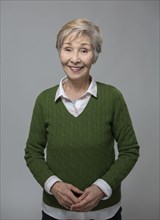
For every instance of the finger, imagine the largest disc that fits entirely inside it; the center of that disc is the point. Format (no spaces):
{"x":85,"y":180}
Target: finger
{"x":76,"y":190}
{"x":84,"y":207}
{"x":66,"y":206}
{"x":81,"y":205}
{"x":75,"y":193}
{"x":69,"y":197}
{"x":83,"y":196}
{"x":65,"y":198}
{"x":66,"y":194}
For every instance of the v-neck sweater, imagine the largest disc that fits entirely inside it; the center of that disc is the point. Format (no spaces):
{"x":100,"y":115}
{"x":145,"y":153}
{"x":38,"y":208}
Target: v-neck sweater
{"x":79,"y":150}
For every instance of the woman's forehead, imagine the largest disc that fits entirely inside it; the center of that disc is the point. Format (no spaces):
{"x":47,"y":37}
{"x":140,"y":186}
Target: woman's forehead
{"x":81,"y":38}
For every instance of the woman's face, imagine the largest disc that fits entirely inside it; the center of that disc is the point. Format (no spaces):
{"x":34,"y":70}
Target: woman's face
{"x":77,"y":57}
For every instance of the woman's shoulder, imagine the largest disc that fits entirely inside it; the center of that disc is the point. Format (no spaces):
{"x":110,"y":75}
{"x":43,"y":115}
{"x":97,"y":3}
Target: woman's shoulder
{"x":50,"y":90}
{"x":110,"y":93}
{"x":108,"y":88}
{"x":47,"y":93}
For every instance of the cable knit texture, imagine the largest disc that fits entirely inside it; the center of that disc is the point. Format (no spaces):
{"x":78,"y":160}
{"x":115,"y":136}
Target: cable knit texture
{"x":80,"y":149}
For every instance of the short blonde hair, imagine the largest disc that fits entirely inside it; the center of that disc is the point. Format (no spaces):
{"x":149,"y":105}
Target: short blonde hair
{"x":81,"y":27}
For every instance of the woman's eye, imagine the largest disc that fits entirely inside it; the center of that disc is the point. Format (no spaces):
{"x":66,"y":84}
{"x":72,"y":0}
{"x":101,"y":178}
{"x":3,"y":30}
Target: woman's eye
{"x":84,"y":50}
{"x":67,"y":49}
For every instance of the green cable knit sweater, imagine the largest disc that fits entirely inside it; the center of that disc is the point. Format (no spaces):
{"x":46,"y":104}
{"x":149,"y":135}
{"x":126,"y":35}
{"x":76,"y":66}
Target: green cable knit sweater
{"x":80,"y":150}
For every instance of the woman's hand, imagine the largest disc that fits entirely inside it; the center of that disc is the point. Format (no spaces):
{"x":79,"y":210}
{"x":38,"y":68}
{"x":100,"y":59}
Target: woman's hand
{"x":89,"y":199}
{"x":65,"y":194}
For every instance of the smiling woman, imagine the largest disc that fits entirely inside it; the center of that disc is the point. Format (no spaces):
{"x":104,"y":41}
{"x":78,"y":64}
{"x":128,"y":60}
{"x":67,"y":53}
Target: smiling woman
{"x":81,"y":27}
{"x":80,"y":176}
{"x":76,"y":56}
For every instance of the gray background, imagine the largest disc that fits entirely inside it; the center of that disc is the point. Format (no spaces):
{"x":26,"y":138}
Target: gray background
{"x":30,"y":64}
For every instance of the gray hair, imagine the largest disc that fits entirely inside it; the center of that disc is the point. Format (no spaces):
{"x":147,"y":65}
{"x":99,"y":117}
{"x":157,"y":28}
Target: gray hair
{"x":81,"y":27}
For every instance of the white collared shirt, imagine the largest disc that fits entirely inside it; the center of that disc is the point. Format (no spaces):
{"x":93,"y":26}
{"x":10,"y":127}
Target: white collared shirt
{"x":75,"y":108}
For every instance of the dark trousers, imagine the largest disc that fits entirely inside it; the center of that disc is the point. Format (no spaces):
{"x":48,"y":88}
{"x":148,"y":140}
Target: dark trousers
{"x":116,"y":217}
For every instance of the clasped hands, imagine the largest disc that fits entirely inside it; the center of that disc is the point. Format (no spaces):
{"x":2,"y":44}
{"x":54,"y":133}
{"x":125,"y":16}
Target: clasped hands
{"x":73,"y":199}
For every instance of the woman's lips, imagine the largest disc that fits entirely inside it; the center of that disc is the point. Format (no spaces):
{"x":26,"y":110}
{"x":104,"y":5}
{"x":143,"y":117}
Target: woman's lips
{"x":75,"y":68}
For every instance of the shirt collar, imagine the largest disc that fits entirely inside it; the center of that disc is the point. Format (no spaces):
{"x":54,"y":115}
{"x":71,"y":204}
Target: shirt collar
{"x":92,"y":89}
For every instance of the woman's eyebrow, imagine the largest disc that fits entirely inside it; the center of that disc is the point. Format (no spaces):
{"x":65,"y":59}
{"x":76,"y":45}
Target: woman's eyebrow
{"x":67,"y":43}
{"x":86,"y":44}
{"x":83,"y":44}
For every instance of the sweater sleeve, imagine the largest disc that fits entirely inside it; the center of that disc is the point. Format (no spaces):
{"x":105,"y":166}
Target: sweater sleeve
{"x":124,"y":135}
{"x":36,"y":143}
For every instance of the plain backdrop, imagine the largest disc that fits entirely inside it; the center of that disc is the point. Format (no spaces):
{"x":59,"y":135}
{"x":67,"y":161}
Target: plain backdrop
{"x":30,"y":64}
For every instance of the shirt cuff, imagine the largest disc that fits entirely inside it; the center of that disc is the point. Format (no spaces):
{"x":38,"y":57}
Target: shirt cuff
{"x":104,"y":187}
{"x":49,"y":183}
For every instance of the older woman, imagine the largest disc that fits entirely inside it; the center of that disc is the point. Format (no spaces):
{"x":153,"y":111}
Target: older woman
{"x":77,"y":122}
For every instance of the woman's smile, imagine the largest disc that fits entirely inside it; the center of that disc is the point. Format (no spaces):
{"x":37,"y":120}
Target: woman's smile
{"x":77,"y":57}
{"x":75,"y":68}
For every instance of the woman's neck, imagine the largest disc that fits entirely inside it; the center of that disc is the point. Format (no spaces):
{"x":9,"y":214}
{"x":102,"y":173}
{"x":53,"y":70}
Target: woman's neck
{"x":75,"y":89}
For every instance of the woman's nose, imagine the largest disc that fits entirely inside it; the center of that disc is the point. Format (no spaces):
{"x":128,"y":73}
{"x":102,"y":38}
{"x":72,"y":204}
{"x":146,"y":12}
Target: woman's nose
{"x":75,"y":57}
